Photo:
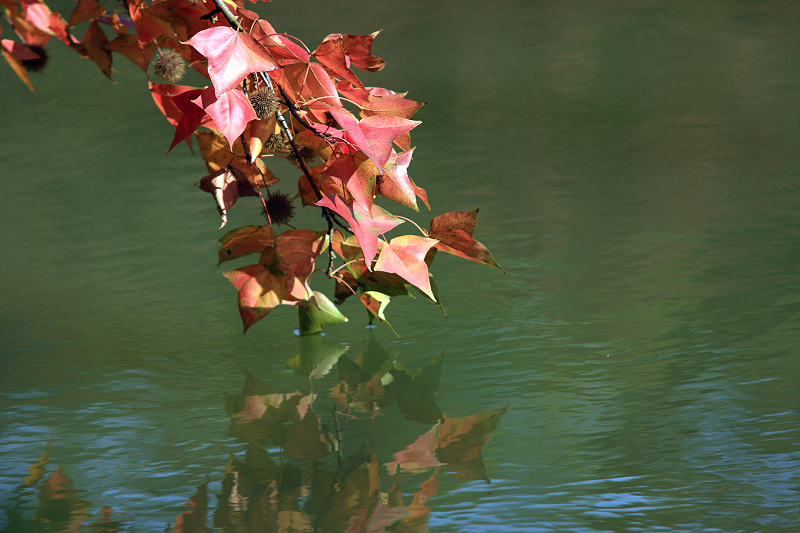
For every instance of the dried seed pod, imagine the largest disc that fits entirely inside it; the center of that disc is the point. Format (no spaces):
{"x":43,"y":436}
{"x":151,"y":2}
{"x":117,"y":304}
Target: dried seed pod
{"x":265,"y":102}
{"x":169,"y":65}
{"x":279,"y":207}
{"x":38,"y":63}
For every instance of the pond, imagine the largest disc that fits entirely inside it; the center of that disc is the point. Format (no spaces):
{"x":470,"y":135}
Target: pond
{"x":636,"y":368}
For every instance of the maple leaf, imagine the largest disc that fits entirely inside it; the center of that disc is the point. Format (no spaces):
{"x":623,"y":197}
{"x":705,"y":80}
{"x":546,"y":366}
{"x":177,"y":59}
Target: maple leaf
{"x":373,"y":135}
{"x":297,"y":250}
{"x":358,"y":49}
{"x":95,"y":41}
{"x":244,"y":241}
{"x":84,"y":11}
{"x":454,"y":231}
{"x":331,"y":54}
{"x":192,"y":116}
{"x":129,"y":46}
{"x":376,"y":303}
{"x":395,"y":183}
{"x":319,"y":313}
{"x":358,"y":173}
{"x":405,"y":256}
{"x":230,"y":110}
{"x":226,"y":185}
{"x":382,"y":102}
{"x":260,"y":291}
{"x":148,"y":27}
{"x":366,"y":225}
{"x":17,"y":66}
{"x":217,"y":154}
{"x":231,"y":56}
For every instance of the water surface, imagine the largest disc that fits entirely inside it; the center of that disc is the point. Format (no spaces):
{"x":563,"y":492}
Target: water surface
{"x":637,"y":167}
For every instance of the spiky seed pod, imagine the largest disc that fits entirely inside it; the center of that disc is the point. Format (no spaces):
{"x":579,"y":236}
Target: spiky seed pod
{"x":276,"y":144}
{"x":265,"y":102}
{"x":306,"y":153}
{"x":280,"y":208}
{"x":39,"y":63}
{"x":169,"y":65}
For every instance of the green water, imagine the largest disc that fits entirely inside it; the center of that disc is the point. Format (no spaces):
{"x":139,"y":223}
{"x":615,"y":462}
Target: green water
{"x":637,"y":167}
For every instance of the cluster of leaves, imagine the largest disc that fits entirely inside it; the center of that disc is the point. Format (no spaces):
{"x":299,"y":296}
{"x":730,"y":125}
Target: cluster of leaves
{"x":258,"y":77}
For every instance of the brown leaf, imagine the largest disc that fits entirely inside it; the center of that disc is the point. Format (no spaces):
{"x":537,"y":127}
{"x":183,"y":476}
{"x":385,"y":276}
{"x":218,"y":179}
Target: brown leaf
{"x":95,"y":41}
{"x":226,"y":185}
{"x":454,"y":231}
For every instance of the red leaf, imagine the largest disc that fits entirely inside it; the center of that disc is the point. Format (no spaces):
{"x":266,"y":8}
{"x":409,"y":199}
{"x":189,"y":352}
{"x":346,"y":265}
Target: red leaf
{"x":331,"y":54}
{"x":394,"y":104}
{"x":359,"y":49}
{"x":148,"y":27}
{"x":128,"y":45}
{"x":454,"y":232}
{"x":192,"y":116}
{"x":230,"y":110}
{"x":366,"y":225}
{"x":231,"y":56}
{"x":357,"y":173}
{"x":164,"y":95}
{"x":405,"y":256}
{"x":19,"y":50}
{"x":373,"y":135}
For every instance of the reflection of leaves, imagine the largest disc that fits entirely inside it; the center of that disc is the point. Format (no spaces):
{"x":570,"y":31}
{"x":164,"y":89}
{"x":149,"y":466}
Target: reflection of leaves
{"x":286,"y":419}
{"x":413,"y":391}
{"x":316,"y":358}
{"x":194,"y":520}
{"x":460,"y":441}
{"x":56,"y":507}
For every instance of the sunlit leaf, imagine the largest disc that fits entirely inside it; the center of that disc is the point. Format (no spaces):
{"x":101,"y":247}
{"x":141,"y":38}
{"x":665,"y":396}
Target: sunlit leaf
{"x":405,"y":256}
{"x":373,"y":135}
{"x":395,"y":183}
{"x":366,"y":225}
{"x":376,"y":303}
{"x":244,"y":241}
{"x":260,"y":291}
{"x":231,"y":56}
{"x":331,"y":54}
{"x":230,"y":110}
{"x":319,"y":313}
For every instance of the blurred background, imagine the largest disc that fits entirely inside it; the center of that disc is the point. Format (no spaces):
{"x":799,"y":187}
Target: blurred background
{"x":637,"y":169}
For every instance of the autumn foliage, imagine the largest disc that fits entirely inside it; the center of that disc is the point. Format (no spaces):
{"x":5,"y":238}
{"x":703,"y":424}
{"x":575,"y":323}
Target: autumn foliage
{"x":270,"y":96}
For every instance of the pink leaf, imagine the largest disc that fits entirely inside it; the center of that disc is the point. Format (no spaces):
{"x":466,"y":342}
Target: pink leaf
{"x":231,"y":56}
{"x":373,"y":135}
{"x":395,"y":184}
{"x":405,"y":256}
{"x":230,"y":110}
{"x":366,"y":225}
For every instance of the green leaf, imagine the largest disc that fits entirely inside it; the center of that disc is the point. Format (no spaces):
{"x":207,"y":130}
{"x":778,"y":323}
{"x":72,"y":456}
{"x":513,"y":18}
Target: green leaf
{"x":320,"y":313}
{"x":376,"y":303}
